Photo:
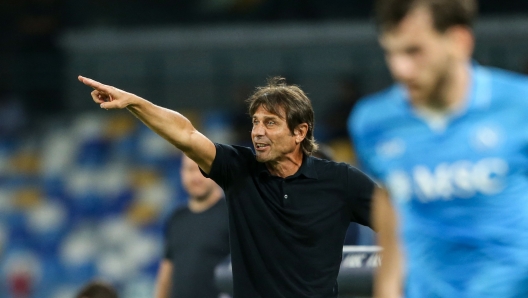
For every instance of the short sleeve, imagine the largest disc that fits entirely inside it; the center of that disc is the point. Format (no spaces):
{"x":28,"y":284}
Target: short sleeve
{"x":361,"y":188}
{"x":230,"y":162}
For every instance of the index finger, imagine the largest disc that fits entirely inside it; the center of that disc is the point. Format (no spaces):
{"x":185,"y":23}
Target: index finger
{"x":96,"y":85}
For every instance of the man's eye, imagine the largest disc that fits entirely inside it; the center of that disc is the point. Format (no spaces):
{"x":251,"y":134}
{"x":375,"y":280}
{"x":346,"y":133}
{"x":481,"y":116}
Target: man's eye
{"x":271,"y":122}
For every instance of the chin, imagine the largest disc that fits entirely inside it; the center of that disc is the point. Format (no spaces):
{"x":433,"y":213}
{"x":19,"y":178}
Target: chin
{"x":260,"y":158}
{"x":199,"y":197}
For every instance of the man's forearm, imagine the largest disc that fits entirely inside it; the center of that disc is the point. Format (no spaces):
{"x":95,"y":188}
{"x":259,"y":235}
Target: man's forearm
{"x":169,"y":124}
{"x":388,"y":279}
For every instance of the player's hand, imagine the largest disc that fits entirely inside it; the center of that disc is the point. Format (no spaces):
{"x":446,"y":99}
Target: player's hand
{"x":108,"y":97}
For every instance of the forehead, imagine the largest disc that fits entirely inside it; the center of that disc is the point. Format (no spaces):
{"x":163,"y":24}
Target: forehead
{"x":262,"y":112}
{"x":416,"y":27}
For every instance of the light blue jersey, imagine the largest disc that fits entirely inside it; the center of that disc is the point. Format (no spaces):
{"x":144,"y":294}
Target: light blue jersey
{"x":460,"y":186}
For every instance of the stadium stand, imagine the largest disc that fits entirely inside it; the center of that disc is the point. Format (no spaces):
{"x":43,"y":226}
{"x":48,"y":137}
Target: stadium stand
{"x":84,"y":200}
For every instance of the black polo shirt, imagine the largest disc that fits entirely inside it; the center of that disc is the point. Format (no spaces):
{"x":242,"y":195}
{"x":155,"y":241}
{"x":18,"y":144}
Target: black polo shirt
{"x":287,"y":234}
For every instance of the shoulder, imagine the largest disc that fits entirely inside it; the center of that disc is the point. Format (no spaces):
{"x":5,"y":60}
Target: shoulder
{"x":178,"y":213}
{"x":219,"y":212}
{"x":343,"y":176}
{"x":333,"y":169}
{"x":176,"y":218}
{"x":505,"y":83}
{"x":220,"y":206}
{"x":233,"y":151}
{"x":377,"y":108}
{"x":230,"y":163}
{"x":507,"y":77}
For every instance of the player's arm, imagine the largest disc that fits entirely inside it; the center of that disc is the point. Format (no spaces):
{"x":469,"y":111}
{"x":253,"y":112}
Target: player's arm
{"x":169,"y":124}
{"x":164,"y":279}
{"x":388,"y":278}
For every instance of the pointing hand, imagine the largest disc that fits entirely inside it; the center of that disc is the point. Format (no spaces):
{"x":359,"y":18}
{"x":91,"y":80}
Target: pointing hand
{"x":108,"y":97}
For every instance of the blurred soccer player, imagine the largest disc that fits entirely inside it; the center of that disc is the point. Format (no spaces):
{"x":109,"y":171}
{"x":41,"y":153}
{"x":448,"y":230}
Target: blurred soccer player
{"x":288,"y":211}
{"x":450,"y":143}
{"x":196,"y":239}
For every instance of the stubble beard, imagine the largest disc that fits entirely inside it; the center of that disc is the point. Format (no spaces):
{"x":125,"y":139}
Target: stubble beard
{"x":436,"y":98}
{"x":261,"y":158}
{"x":202,"y":197}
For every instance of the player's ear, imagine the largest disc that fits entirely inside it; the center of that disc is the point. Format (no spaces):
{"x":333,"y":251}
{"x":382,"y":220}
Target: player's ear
{"x":462,"y":41}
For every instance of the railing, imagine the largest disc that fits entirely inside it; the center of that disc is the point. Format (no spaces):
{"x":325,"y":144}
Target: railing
{"x":354,"y":279}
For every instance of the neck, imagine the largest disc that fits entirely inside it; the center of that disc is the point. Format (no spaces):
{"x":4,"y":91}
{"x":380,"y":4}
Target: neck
{"x":457,"y":88}
{"x":197,"y":205}
{"x":287,"y":166}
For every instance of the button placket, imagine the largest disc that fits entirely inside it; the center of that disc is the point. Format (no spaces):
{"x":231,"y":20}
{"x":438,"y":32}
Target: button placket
{"x":285,"y":198}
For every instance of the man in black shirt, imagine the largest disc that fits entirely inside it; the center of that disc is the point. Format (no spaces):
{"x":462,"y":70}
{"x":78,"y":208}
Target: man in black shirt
{"x":196,"y":239}
{"x":288,"y":211}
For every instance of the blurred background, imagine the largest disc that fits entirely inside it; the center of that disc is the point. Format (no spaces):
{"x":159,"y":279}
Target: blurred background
{"x":84,"y":193}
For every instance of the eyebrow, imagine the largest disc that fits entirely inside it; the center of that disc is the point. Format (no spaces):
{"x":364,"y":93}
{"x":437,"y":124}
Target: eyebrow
{"x":268,"y":117}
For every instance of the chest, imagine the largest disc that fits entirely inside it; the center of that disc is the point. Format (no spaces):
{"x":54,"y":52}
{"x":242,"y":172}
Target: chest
{"x":472,"y":155}
{"x":303,"y":209}
{"x":302,"y":197}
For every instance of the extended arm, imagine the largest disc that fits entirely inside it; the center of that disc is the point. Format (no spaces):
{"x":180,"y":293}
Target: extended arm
{"x":169,"y":124}
{"x":388,"y":279}
{"x":163,"y":281}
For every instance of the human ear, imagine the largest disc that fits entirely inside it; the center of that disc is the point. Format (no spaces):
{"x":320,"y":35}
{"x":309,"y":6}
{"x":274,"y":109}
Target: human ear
{"x":462,"y":41}
{"x":300,"y":132}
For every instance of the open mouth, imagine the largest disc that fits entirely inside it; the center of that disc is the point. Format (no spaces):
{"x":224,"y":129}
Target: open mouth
{"x":261,"y":146}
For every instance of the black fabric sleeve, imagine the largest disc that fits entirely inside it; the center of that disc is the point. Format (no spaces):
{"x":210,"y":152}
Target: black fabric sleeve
{"x":361,"y":189}
{"x":229,"y":163}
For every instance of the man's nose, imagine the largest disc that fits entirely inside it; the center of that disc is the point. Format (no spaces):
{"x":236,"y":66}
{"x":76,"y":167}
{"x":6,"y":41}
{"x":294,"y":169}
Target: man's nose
{"x":258,"y":129}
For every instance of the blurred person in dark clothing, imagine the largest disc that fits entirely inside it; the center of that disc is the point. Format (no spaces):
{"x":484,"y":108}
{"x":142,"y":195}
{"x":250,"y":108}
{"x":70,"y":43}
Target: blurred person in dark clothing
{"x":196,"y":239}
{"x":97,"y":289}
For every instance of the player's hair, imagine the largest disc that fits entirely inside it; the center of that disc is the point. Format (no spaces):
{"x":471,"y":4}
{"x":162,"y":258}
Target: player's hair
{"x":97,"y":289}
{"x":277,"y":96}
{"x":445,"y":13}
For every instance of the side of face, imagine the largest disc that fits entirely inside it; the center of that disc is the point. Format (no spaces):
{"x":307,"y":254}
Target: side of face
{"x":272,"y":139}
{"x":196,"y":185}
{"x":419,"y":56}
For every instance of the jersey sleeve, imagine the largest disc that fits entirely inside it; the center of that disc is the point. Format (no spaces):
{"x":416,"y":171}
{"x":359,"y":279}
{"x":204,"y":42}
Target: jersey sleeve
{"x":361,"y":188}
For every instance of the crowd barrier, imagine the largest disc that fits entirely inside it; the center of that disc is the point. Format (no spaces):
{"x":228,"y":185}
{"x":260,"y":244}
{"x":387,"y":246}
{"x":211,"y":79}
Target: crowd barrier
{"x":354,"y":279}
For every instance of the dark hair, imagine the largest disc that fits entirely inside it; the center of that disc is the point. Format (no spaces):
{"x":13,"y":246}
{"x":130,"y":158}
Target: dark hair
{"x":277,"y":95}
{"x":445,"y":13}
{"x":97,"y":289}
